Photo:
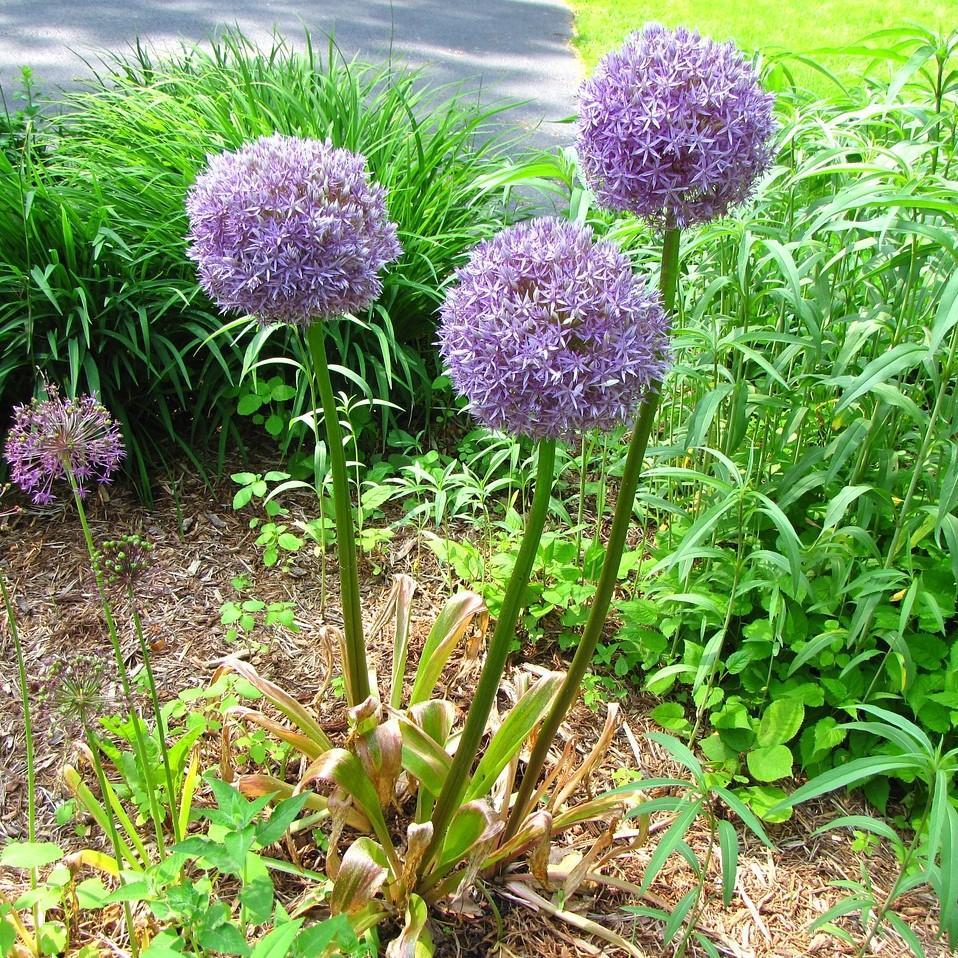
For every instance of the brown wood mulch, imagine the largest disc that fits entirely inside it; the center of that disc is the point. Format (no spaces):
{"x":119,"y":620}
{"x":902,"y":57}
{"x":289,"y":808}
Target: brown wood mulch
{"x":201,"y":545}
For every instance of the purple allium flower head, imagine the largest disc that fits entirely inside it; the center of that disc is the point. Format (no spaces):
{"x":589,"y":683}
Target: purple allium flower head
{"x":55,"y":437}
{"x":548,"y":332}
{"x":289,"y":230}
{"x":674,"y":127}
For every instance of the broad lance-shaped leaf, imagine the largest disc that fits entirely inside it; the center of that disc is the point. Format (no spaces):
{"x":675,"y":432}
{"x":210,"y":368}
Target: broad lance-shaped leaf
{"x":296,"y":712}
{"x":343,"y":769}
{"x":423,"y":757}
{"x":380,"y":752}
{"x":473,"y":825}
{"x":414,"y":941}
{"x":362,"y":873}
{"x":30,"y":854}
{"x":285,"y":813}
{"x":512,"y":734}
{"x":451,"y":624}
{"x":434,"y":717}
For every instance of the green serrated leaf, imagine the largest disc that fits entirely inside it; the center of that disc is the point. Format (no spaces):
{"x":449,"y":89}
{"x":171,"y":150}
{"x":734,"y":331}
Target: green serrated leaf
{"x":780,"y":723}
{"x":769,"y":764}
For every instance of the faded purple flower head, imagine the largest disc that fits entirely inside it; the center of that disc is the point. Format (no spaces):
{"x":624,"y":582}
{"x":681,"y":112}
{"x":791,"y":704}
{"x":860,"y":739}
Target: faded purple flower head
{"x":52,"y":438}
{"x":289,"y":230}
{"x":548,"y":332}
{"x":674,"y":127}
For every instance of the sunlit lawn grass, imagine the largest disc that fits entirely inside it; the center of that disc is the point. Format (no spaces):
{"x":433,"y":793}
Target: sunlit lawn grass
{"x":760,"y":24}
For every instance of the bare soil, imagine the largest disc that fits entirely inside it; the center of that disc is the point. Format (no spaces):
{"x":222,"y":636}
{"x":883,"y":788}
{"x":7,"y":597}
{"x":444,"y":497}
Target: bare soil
{"x":201,"y":545}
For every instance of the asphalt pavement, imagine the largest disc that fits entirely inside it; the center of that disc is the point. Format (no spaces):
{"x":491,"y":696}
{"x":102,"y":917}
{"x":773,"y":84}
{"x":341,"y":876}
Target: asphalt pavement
{"x":515,"y":50}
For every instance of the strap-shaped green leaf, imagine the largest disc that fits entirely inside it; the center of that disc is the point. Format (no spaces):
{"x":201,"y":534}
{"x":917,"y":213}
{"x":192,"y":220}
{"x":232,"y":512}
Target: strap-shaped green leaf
{"x":450,"y":626}
{"x":512,"y":734}
{"x":81,"y":792}
{"x":728,"y":846}
{"x":401,"y":603}
{"x":362,"y":873}
{"x":302,"y":743}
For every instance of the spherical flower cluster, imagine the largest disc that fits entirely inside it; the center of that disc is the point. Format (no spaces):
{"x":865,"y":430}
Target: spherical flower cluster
{"x":57,"y":438}
{"x":674,"y":127}
{"x":122,"y":561}
{"x":548,"y":333}
{"x":289,"y":230}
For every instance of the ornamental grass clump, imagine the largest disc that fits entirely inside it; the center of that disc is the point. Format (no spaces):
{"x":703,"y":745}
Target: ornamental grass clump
{"x":292,"y":230}
{"x":674,"y":128}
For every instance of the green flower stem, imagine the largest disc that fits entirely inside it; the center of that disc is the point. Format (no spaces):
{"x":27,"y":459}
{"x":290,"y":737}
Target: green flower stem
{"x":484,"y":698}
{"x":114,"y":836}
{"x":605,"y":588}
{"x":28,"y":735}
{"x":355,"y":670}
{"x":157,"y":713}
{"x":142,"y":753}
{"x":27,"y":723}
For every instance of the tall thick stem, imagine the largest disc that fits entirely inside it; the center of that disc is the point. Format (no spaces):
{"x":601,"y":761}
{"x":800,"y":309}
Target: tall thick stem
{"x":485,"y":695}
{"x":605,"y":588}
{"x":355,"y":670}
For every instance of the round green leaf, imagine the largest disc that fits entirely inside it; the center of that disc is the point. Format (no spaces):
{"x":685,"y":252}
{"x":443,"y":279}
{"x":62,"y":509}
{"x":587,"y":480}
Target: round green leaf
{"x":249,"y":404}
{"x":770,"y":763}
{"x":781,"y":722}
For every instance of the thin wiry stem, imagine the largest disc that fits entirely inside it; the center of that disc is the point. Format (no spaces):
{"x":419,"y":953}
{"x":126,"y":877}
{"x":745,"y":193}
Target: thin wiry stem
{"x":157,"y":714}
{"x":27,"y":731}
{"x":142,"y":752}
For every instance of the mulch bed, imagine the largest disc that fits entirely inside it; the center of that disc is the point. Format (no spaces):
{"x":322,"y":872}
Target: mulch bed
{"x":200,"y":545}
